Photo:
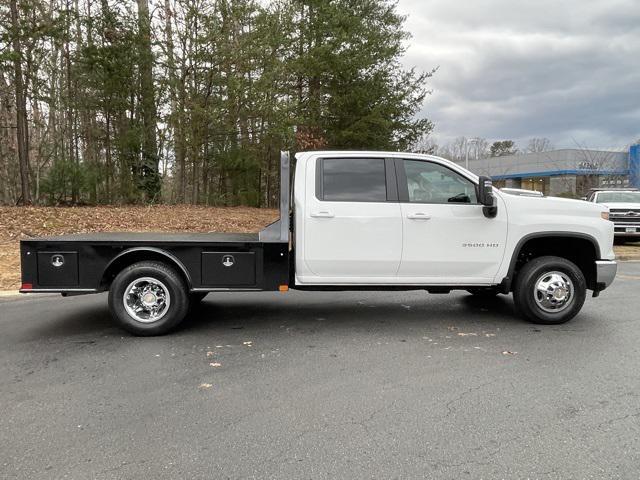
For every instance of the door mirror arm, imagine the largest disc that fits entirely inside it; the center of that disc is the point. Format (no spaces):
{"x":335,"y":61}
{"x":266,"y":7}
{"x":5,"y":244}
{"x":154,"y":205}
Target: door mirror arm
{"x":486,"y":198}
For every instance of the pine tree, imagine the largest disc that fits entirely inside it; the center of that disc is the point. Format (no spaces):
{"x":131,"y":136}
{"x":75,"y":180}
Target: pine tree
{"x":351,"y":87}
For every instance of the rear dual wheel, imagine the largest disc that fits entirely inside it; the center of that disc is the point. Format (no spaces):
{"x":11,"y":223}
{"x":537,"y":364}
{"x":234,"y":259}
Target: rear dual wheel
{"x":149,"y":298}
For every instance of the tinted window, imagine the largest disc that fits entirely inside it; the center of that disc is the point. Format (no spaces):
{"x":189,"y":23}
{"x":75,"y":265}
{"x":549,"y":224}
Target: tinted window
{"x":432,"y":183}
{"x":354,"y":180}
{"x":617,"y":197}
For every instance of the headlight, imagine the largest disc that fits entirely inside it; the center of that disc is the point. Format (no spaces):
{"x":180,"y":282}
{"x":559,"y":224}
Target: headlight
{"x":605,"y":215}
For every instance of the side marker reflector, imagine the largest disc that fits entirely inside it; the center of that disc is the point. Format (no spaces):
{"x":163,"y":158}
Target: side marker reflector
{"x":283,"y":288}
{"x":27,"y":286}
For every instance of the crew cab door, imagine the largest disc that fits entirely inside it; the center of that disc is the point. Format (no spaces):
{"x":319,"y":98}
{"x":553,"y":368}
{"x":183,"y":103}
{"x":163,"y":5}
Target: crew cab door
{"x":352,"y":221}
{"x":447,"y":238}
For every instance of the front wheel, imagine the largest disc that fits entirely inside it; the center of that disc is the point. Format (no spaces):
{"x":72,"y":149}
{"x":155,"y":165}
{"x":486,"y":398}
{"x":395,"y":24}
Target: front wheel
{"x":148,"y":298}
{"x":549,"y":290}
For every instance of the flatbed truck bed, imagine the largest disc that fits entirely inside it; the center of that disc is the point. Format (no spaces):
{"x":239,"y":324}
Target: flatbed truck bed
{"x":87,"y":263}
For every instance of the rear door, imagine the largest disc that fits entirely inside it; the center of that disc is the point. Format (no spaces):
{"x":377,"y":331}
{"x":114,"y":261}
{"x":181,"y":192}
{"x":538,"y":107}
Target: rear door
{"x":447,"y":238}
{"x":352,"y":225}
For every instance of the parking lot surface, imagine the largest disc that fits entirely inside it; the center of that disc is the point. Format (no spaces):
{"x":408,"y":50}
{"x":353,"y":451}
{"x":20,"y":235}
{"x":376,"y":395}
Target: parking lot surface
{"x":323,"y":385}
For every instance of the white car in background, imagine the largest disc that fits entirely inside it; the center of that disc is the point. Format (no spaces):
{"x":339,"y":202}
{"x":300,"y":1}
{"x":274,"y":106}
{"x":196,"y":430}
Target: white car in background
{"x":624,"y":210}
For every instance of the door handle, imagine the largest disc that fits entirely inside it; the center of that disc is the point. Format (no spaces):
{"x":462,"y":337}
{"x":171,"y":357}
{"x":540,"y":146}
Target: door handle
{"x":322,"y":215}
{"x":419,"y":216}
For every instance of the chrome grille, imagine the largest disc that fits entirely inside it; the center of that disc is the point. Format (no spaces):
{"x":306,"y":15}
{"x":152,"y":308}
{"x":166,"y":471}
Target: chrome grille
{"x":625,"y":216}
{"x":616,"y":211}
{"x":625,"y":220}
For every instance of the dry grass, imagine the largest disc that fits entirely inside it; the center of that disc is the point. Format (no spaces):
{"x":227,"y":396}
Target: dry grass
{"x":23,"y":222}
{"x":628,"y":251}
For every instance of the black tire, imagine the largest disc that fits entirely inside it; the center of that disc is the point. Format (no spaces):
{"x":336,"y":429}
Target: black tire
{"x":524,"y":294}
{"x":178,"y":296}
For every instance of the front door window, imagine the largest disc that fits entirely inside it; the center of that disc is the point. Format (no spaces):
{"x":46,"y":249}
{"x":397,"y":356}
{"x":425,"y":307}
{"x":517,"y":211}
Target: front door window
{"x":432,"y":183}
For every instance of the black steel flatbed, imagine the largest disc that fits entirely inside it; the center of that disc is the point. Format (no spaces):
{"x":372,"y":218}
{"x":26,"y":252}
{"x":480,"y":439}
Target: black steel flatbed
{"x":211,"y":261}
{"x":151,"y":237}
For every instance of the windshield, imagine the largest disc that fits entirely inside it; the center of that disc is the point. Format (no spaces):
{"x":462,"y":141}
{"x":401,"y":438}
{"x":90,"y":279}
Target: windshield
{"x":618,"y":197}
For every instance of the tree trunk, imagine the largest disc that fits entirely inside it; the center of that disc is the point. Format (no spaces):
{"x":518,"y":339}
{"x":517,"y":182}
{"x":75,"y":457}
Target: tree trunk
{"x":149,"y":172}
{"x":22,"y":128}
{"x":175,"y":116}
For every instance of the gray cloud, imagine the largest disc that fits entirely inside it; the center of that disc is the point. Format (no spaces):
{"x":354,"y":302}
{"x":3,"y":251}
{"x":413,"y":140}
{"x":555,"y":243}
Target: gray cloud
{"x":568,"y":70}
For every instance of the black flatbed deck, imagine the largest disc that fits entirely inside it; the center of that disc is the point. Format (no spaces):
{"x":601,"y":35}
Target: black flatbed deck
{"x":90,"y":261}
{"x":150,"y":237}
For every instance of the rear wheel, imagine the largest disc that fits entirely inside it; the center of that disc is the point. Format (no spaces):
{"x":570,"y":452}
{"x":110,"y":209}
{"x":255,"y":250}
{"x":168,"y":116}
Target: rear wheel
{"x":549,"y":290}
{"x":148,"y":298}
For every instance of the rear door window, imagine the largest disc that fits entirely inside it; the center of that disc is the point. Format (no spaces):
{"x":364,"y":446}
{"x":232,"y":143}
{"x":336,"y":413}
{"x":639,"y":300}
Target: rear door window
{"x":352,"y":180}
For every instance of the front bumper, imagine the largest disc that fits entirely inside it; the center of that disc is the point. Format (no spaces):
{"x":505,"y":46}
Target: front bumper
{"x":624,"y":233}
{"x":605,"y":273}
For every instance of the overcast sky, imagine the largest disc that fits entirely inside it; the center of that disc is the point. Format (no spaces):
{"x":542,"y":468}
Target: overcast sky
{"x":568,"y":70}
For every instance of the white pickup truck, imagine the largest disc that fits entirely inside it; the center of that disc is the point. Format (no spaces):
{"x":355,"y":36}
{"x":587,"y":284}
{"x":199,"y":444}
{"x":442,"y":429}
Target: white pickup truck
{"x":358,"y":220}
{"x":624,"y":210}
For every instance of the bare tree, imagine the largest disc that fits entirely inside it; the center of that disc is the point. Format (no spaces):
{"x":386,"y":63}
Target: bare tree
{"x":459,"y":148}
{"x":482,"y":147}
{"x":537,"y":145}
{"x":425,"y":144}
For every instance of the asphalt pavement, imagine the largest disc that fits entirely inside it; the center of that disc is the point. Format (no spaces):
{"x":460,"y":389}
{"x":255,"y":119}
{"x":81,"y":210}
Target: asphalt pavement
{"x":323,"y":385}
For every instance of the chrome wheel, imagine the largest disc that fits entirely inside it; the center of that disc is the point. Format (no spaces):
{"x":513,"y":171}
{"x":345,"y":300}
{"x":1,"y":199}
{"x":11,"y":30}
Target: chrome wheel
{"x":146,"y":299}
{"x":553,"y":291}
